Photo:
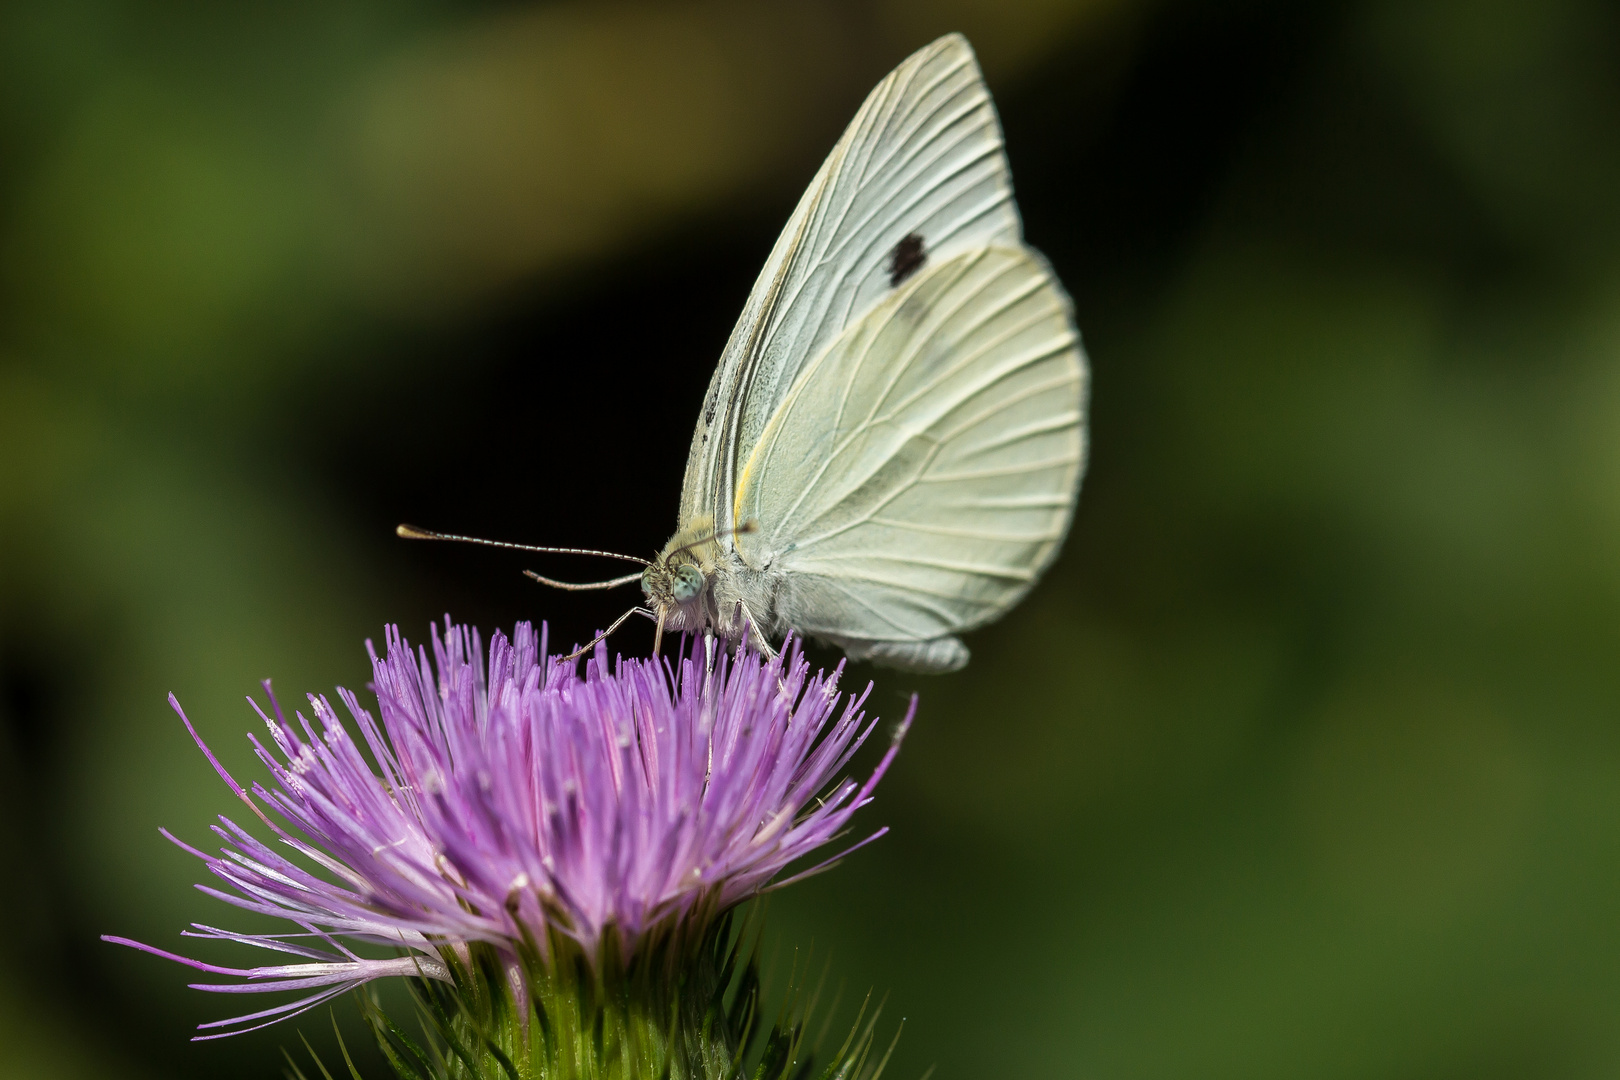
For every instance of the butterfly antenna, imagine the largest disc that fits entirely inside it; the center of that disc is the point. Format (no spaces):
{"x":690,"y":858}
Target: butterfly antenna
{"x":748,"y":526}
{"x":599,"y":638}
{"x":572,"y":586}
{"x":411,"y":532}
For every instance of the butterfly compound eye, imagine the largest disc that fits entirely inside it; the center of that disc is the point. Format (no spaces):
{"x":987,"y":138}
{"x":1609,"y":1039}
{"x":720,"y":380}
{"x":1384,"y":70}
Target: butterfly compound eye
{"x":688,"y":582}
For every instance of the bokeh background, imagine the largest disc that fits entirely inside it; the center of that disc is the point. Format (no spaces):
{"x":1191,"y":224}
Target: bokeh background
{"x":1303,"y":762}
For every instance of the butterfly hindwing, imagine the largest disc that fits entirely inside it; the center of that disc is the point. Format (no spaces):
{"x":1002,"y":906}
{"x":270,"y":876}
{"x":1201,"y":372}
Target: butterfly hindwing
{"x":922,"y":471}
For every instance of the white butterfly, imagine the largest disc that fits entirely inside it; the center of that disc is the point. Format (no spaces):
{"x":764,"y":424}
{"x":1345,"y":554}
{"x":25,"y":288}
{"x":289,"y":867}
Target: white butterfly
{"x":890,"y":450}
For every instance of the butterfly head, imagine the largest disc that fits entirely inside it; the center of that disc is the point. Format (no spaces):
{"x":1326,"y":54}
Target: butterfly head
{"x":676,"y":582}
{"x":677,"y":578}
{"x":668,"y":584}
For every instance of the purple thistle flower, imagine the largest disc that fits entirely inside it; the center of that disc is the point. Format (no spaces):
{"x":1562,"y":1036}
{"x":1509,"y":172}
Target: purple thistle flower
{"x":522,"y":805}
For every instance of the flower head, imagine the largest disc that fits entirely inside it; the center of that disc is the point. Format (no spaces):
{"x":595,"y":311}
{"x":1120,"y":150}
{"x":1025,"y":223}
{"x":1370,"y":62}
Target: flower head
{"x":519,"y":804}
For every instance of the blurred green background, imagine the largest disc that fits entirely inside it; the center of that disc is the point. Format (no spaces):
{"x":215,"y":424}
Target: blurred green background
{"x":1303,"y":762}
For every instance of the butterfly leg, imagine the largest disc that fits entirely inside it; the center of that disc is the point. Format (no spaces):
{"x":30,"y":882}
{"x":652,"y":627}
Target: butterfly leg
{"x":583,"y":649}
{"x":756,"y":636}
{"x":658,"y":635}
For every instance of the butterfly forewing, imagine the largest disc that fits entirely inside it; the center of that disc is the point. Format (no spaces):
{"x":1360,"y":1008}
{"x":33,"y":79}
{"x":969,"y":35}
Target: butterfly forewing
{"x":917,"y":178}
{"x":922,"y":471}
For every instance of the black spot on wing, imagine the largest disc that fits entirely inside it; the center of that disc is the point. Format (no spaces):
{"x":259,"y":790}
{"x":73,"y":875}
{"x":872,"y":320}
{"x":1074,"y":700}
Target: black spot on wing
{"x":906,"y":259}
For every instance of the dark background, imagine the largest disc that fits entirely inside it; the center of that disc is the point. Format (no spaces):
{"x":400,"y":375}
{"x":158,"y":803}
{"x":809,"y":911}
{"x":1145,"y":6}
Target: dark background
{"x":1302,"y":761}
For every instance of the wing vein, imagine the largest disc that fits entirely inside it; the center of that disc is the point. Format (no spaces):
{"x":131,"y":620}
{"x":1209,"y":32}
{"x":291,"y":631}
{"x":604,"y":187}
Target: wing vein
{"x":1064,"y":462}
{"x":1009,"y":402}
{"x":1012,"y":438}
